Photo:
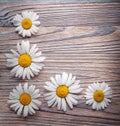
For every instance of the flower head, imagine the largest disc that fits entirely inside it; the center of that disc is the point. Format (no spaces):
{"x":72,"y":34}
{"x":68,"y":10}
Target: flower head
{"x":27,"y":23}
{"x":26,"y":61}
{"x":23,"y":99}
{"x":63,"y":90}
{"x":98,"y":95}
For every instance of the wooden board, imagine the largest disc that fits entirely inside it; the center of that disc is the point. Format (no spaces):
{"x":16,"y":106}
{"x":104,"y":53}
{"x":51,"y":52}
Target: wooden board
{"x":81,"y":38}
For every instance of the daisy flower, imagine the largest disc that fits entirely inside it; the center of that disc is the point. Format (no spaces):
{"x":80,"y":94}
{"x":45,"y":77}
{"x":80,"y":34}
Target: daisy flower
{"x":27,"y":23}
{"x":98,"y":95}
{"x":63,"y":90}
{"x":24,"y":61}
{"x":23,"y":100}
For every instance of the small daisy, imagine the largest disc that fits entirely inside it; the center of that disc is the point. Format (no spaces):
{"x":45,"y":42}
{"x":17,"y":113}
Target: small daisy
{"x":25,"y":60}
{"x":98,"y":95}
{"x":27,"y":23}
{"x":63,"y":90}
{"x":23,"y":100}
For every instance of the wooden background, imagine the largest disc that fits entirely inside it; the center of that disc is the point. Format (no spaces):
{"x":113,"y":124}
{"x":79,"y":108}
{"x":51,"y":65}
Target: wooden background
{"x":82,"y":38}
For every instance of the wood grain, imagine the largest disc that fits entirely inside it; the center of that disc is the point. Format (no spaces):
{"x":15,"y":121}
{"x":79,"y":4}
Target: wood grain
{"x":80,"y":38}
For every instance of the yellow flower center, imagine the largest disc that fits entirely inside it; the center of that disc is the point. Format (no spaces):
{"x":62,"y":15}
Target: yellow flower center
{"x":25,"y":99}
{"x":26,"y":23}
{"x":62,"y":91}
{"x":24,"y":60}
{"x":98,"y":95}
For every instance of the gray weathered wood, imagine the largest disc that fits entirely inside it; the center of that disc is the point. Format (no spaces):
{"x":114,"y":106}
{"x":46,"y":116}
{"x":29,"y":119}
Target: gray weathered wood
{"x":80,"y":38}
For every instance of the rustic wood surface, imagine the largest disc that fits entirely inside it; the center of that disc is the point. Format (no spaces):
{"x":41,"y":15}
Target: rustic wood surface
{"x":81,"y":38}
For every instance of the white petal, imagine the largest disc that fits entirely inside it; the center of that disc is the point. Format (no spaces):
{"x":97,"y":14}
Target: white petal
{"x":37,"y":67}
{"x":24,"y":33}
{"x":34,"y":69}
{"x":20,"y":110}
{"x":19,"y":89}
{"x":14,"y":52}
{"x":102,"y":105}
{"x":74,"y":101}
{"x":59,"y":103}
{"x":11,"y":56}
{"x":63,"y":104}
{"x":31,"y":89}
{"x":32,"y":49}
{"x":13,"y":95}
{"x":13,"y":101}
{"x":50,"y":102}
{"x":28,"y":72}
{"x":64,"y":78}
{"x":34,"y":29}
{"x":19,"y":49}
{"x":26,"y":87}
{"x":17,"y":20}
{"x":58,"y":79}
{"x":49,"y":88}
{"x":31,"y":110}
{"x":55,"y":103}
{"x":49,"y":93}
{"x":26,"y":46}
{"x":53,"y":81}
{"x":12,"y":63}
{"x":19,"y":72}
{"x":69,"y":102}
{"x":13,"y":71}
{"x":74,"y":87}
{"x":76,"y":91}
{"x":36,"y":22}
{"x":36,"y":92}
{"x":36,"y":96}
{"x":33,"y":105}
{"x":69,"y":80}
{"x":90,"y":101}
{"x":19,"y":29}
{"x":49,"y":84}
{"x":40,"y":59}
{"x":16,"y":92}
{"x":17,"y":107}
{"x":50,"y":96}
{"x":37,"y":102}
{"x":91,"y":89}
{"x":38,"y":54}
{"x":94,"y":105}
{"x":34,"y":16}
{"x":25,"y":111}
{"x":24,"y":73}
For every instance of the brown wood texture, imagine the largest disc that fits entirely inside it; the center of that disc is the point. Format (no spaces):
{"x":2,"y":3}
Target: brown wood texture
{"x":81,"y":38}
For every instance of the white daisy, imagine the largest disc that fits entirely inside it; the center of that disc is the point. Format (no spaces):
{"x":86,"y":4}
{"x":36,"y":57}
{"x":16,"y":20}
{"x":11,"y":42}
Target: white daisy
{"x":25,"y":60}
{"x":63,"y":90}
{"x":23,"y":100}
{"x":98,"y":95}
{"x":27,"y":23}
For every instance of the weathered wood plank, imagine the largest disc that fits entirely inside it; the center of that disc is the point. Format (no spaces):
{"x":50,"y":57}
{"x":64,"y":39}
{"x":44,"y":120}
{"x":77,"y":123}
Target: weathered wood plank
{"x":65,"y":14}
{"x":90,"y":50}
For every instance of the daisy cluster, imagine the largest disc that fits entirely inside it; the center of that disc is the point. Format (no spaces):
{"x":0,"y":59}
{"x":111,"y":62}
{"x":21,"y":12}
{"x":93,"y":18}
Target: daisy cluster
{"x":62,"y":91}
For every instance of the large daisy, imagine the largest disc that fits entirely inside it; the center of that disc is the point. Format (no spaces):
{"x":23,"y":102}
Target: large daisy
{"x":63,"y":90}
{"x":26,"y":61}
{"x":98,"y":95}
{"x":24,"y":99}
{"x":27,"y":23}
